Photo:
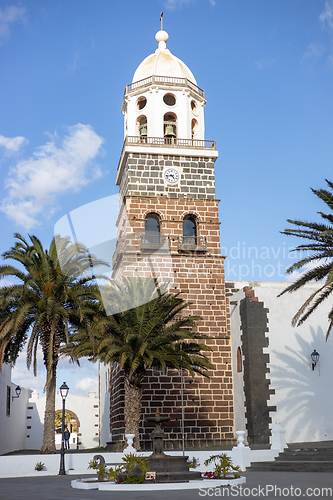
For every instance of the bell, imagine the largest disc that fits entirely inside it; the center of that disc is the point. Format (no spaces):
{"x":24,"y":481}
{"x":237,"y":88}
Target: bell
{"x":143,"y":132}
{"x":169,"y":131}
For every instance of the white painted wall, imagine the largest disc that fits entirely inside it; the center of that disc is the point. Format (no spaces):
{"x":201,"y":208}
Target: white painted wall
{"x":77,"y":463}
{"x":86,"y":408}
{"x":303,"y":397}
{"x":239,"y":395}
{"x":13,"y":427}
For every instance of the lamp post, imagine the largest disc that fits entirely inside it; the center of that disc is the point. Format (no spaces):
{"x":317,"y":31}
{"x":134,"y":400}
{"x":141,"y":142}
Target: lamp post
{"x":315,"y":358}
{"x":182,"y":401}
{"x":63,"y":392}
{"x":18,"y":392}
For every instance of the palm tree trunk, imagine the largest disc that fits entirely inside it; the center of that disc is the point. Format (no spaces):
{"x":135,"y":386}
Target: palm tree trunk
{"x":132,"y":411}
{"x":49,"y":427}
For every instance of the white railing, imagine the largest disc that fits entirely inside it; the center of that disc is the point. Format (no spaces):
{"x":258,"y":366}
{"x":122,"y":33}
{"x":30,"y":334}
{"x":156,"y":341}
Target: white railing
{"x":164,"y":80}
{"x":170,"y":142}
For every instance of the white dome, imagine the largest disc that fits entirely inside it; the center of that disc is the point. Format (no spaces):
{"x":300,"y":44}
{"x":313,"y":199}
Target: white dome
{"x":162,"y":63}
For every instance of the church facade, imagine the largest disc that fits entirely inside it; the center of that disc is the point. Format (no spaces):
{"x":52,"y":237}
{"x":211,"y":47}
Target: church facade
{"x":168,"y":228}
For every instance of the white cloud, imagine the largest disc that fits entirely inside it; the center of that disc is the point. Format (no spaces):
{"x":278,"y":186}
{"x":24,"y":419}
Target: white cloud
{"x":72,"y":66}
{"x":61,"y":165}
{"x":85,"y":385}
{"x":12,"y":144}
{"x":264,"y":63}
{"x":314,"y":50}
{"x":174,"y":4}
{"x":326,"y":17}
{"x":295,"y":275}
{"x":80,"y":379}
{"x":24,"y":377}
{"x":8,"y":16}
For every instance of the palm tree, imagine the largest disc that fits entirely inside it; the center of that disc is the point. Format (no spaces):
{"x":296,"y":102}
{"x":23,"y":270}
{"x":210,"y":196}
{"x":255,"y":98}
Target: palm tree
{"x":51,"y":297}
{"x":320,"y":255}
{"x":148,"y":331}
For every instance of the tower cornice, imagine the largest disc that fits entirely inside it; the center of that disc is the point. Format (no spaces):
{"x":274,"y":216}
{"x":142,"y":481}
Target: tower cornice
{"x":158,"y":146}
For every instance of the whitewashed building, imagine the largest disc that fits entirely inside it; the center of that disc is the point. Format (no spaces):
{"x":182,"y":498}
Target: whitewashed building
{"x":85,"y":413}
{"x":274,"y":378}
{"x":22,"y":418}
{"x":13,"y":411}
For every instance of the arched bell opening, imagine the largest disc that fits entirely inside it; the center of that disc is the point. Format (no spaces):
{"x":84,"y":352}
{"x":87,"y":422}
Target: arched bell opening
{"x":152,"y":229}
{"x":194,"y":128}
{"x":142,"y":127}
{"x":189,"y":230}
{"x":170,"y":127}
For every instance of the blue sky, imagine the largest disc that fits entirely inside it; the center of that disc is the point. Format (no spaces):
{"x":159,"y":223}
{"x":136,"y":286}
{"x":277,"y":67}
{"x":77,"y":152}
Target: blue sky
{"x":266,"y":67}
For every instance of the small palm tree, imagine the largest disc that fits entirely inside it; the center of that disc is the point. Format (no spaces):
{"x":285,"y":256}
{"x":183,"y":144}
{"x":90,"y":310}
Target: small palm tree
{"x":320,"y":253}
{"x":49,"y":299}
{"x":145,"y":333}
{"x":58,"y":421}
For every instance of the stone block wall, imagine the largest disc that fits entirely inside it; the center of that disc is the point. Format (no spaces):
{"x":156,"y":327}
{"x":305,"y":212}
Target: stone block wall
{"x":143,"y":176}
{"x":254,"y":325}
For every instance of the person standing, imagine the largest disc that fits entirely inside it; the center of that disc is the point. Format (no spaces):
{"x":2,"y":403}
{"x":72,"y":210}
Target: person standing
{"x":67,"y":435}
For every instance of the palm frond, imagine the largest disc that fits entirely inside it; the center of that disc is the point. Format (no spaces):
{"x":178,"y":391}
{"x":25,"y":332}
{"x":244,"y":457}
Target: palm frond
{"x":320,"y":254}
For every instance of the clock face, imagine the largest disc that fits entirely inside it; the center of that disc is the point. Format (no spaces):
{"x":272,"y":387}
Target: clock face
{"x":171,"y":175}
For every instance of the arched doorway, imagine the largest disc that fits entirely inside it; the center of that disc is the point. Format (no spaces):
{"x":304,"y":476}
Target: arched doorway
{"x":73,"y":425}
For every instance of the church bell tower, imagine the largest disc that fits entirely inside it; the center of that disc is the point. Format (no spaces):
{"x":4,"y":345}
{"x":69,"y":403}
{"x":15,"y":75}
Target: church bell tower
{"x":168,"y":227}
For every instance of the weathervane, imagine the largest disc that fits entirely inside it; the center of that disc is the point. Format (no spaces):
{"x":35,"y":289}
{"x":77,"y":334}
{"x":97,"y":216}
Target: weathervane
{"x":161,"y":19}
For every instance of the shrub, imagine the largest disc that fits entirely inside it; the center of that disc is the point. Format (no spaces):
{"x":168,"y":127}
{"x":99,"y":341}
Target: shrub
{"x":113,"y":472}
{"x":133,"y":479}
{"x":39,"y":466}
{"x":101,"y":469}
{"x":223,"y":467}
{"x":193,"y":463}
{"x":131,"y":461}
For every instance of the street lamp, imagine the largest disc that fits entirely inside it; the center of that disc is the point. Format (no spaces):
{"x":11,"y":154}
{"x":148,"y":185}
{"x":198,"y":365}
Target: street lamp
{"x":315,"y":358}
{"x":18,"y":392}
{"x":63,"y":392}
{"x":182,"y":401}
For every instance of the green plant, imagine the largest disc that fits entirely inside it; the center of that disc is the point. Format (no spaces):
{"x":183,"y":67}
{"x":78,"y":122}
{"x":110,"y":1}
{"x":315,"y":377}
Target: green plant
{"x":223,"y":466}
{"x":39,"y":466}
{"x":193,"y":463}
{"x":133,"y":479}
{"x":131,"y":461}
{"x":101,"y":469}
{"x":113,"y":472}
{"x":93,"y":464}
{"x":316,"y":264}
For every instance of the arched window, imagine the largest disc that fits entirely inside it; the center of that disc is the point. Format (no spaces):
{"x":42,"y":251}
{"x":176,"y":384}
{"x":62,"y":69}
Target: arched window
{"x":189,"y":230}
{"x":170,"y":126}
{"x":141,"y":102}
{"x":169,"y":99}
{"x":239,"y":359}
{"x":152,"y":229}
{"x":194,"y":128}
{"x":141,"y":125}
